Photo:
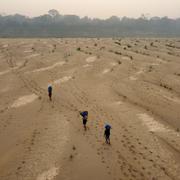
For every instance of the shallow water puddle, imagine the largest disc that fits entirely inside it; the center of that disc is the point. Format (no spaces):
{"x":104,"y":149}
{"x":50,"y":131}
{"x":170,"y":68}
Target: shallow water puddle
{"x":91,"y":59}
{"x":49,"y":174}
{"x":154,"y":125}
{"x":49,"y":67}
{"x":24,"y":100}
{"x":62,"y":80}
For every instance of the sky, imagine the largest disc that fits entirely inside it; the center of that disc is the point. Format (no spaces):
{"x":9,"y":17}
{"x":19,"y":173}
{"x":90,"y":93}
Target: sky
{"x":93,"y":8}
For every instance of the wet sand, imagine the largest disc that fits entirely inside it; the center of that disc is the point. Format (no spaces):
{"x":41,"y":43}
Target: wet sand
{"x":132,"y":84}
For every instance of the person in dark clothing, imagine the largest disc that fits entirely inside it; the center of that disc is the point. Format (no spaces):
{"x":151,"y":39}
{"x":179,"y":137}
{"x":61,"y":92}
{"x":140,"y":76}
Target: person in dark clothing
{"x":50,"y":92}
{"x":84,"y":115}
{"x":84,"y":122}
{"x":107,"y":133}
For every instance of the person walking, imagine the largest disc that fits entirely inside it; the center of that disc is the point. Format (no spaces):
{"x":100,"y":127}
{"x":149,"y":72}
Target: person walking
{"x":50,"y":92}
{"x":84,"y":115}
{"x":107,"y":133}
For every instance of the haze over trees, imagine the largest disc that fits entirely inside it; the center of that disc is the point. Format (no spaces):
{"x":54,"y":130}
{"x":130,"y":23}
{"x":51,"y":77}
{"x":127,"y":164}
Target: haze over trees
{"x":54,"y":24}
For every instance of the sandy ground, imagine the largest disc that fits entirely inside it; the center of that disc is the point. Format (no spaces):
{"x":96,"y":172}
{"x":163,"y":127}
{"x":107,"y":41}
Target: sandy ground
{"x":132,"y":84}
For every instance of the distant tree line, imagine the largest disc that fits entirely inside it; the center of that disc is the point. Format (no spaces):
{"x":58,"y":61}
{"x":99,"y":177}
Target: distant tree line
{"x":54,"y":24}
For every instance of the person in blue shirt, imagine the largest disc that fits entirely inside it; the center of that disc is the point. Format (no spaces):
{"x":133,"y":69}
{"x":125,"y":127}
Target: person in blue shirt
{"x":107,"y":133}
{"x":84,"y":115}
{"x":50,"y":92}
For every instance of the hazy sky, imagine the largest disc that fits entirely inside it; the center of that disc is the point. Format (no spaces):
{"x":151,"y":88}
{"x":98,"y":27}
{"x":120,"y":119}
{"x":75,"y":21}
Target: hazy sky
{"x":93,"y":8}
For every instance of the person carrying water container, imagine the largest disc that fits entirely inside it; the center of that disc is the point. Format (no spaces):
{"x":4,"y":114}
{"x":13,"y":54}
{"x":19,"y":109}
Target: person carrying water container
{"x":84,"y":115}
{"x":107,"y":133}
{"x":50,"y":92}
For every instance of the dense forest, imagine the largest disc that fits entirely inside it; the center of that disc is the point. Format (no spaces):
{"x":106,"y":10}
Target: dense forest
{"x":53,"y":24}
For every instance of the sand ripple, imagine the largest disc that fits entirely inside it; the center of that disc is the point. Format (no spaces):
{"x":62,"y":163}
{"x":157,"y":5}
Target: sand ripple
{"x":91,"y":59}
{"x":4,"y":72}
{"x":126,"y":58}
{"x":49,"y":67}
{"x":87,"y":65}
{"x":32,"y":55}
{"x":28,"y":51}
{"x":154,"y":125}
{"x":62,"y":80}
{"x":24,"y":100}
{"x":49,"y":174}
{"x":106,"y":71}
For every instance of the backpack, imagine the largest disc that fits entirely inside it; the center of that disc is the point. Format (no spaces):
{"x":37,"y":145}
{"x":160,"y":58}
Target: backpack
{"x":107,"y":126}
{"x":84,"y":113}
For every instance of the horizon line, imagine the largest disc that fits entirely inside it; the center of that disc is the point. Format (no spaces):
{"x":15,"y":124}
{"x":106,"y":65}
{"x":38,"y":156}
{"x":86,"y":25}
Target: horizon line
{"x":146,"y":15}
